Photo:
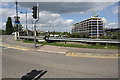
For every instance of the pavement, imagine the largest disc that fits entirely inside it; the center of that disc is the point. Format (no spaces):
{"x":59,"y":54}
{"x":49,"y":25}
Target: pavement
{"x":76,"y":52}
{"x":54,"y":49}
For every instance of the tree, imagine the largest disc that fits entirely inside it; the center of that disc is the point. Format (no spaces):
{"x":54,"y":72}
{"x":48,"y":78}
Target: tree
{"x":2,"y":32}
{"x":116,"y":35}
{"x":18,"y":27}
{"x":9,"y":27}
{"x":75,"y":35}
{"x":111,"y":35}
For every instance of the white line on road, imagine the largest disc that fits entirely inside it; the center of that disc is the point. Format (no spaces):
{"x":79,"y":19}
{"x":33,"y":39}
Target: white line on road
{"x":52,"y":51}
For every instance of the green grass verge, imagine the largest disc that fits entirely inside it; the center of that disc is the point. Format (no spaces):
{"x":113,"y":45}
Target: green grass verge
{"x":75,"y":45}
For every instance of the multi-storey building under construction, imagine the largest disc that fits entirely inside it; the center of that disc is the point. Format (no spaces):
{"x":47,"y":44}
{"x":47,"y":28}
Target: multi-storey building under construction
{"x":93,"y":27}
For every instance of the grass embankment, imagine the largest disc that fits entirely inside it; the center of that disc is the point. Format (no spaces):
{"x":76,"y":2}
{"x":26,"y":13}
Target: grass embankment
{"x":76,"y":45}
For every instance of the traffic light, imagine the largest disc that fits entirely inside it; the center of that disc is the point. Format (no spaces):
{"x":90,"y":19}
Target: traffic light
{"x":34,"y":12}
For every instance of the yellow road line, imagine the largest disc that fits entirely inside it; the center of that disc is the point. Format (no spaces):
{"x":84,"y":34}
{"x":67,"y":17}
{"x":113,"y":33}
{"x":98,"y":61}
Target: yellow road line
{"x":91,"y":56}
{"x":24,"y":49}
{"x":19,"y":48}
{"x":14,"y":47}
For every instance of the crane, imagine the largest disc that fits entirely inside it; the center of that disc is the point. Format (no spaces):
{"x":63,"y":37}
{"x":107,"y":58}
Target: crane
{"x":95,"y":14}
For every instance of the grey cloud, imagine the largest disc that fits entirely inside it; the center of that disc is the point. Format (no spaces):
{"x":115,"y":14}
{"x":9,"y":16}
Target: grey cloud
{"x":67,"y":7}
{"x":47,"y":20}
{"x":61,"y":0}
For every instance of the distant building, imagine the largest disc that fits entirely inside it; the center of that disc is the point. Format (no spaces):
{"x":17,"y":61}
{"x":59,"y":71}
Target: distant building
{"x":112,"y":29}
{"x":93,"y":27}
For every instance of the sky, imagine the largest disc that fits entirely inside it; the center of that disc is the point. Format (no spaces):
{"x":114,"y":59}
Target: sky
{"x":60,"y":16}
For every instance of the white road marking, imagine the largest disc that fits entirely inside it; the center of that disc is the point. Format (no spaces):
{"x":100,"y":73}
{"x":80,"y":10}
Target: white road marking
{"x":52,"y":51}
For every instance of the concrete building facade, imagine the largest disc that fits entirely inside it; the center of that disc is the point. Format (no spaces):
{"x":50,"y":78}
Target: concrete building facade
{"x":93,"y":27}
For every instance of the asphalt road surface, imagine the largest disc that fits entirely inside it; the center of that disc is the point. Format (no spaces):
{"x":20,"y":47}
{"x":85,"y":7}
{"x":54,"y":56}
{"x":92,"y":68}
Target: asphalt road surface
{"x":16,"y":63}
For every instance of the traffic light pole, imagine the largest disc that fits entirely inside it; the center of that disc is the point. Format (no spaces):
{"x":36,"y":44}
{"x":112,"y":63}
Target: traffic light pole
{"x":35,"y":26}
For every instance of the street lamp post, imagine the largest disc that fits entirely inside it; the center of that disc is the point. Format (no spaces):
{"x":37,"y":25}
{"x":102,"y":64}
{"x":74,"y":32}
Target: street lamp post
{"x":26,"y":18}
{"x":32,"y":23}
{"x":16,"y":17}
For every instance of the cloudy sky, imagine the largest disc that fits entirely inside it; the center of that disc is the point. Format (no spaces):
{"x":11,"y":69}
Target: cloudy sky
{"x":60,"y":16}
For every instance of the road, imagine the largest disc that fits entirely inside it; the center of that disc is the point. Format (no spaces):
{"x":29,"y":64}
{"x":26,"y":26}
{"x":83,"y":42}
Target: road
{"x":16,"y":63}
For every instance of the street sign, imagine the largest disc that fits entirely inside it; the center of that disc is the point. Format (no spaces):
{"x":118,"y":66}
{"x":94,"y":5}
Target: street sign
{"x":17,"y":23}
